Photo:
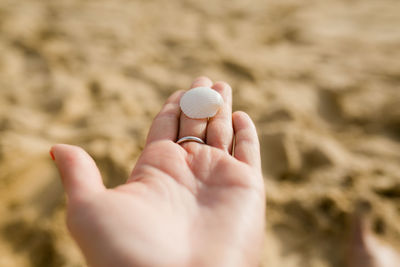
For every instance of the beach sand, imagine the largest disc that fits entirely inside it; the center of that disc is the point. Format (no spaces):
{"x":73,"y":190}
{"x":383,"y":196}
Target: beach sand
{"x":321,"y":79}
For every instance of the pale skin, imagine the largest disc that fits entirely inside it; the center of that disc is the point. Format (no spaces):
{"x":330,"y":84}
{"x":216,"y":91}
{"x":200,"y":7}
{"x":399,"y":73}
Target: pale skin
{"x":183,"y":205}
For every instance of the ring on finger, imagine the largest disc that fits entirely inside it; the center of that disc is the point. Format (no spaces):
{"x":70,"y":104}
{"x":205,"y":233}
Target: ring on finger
{"x":190,"y":139}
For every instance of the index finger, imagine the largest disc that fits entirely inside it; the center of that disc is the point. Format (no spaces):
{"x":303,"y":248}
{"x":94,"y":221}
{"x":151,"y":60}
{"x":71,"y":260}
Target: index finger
{"x":166,"y":124}
{"x":247,"y":147}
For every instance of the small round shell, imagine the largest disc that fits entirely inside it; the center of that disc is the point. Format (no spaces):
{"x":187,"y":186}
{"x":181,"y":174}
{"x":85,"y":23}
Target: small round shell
{"x":201,"y":103}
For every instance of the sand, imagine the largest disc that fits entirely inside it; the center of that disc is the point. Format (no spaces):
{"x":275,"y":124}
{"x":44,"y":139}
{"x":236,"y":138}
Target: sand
{"x":321,"y":79}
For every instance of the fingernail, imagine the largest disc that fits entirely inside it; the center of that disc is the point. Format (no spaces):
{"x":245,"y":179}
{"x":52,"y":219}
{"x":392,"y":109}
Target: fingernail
{"x":52,"y":155}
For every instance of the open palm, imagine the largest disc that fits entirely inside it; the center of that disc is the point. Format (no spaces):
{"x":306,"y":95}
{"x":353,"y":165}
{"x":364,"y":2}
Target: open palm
{"x":183,"y":205}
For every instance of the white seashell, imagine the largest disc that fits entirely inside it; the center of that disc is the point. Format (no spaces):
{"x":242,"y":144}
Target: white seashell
{"x":201,"y":103}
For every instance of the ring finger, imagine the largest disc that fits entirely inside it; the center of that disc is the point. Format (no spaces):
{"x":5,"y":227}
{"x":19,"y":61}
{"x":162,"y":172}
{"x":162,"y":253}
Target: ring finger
{"x":194,"y":127}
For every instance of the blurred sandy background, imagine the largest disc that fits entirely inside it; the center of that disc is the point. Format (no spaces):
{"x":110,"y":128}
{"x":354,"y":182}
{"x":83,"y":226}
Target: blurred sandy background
{"x":320,"y":78}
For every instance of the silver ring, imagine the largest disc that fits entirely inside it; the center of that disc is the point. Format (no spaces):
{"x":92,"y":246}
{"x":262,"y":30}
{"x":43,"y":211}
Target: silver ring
{"x":190,"y":138}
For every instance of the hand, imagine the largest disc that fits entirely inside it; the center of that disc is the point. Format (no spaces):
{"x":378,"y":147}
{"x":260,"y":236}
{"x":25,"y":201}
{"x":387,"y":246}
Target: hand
{"x":183,"y":205}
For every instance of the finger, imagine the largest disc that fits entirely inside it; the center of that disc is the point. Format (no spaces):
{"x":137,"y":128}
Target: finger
{"x":165,"y":125}
{"x":79,"y":173}
{"x":194,"y":127}
{"x":219,"y":129}
{"x":247,"y":146}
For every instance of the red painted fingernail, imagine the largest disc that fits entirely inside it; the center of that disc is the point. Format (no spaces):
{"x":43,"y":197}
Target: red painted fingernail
{"x":52,"y":155}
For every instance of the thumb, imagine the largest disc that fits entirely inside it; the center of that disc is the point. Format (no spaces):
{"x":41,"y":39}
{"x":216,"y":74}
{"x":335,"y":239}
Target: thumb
{"x":79,"y":173}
